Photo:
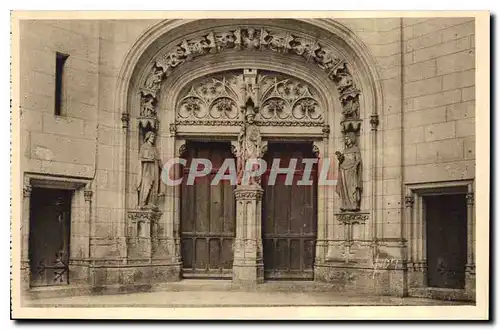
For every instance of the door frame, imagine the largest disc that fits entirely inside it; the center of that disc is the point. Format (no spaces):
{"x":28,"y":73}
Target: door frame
{"x":176,"y":144}
{"x":80,"y":224}
{"x":415,"y":232}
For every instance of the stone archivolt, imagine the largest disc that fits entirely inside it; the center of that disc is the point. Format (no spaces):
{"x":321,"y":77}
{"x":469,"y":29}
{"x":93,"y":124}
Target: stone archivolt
{"x":255,"y":39}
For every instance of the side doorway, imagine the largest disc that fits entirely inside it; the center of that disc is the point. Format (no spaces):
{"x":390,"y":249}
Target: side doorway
{"x":49,"y":236}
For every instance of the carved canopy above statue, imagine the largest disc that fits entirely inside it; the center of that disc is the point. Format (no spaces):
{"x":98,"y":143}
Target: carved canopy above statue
{"x":279,"y":99}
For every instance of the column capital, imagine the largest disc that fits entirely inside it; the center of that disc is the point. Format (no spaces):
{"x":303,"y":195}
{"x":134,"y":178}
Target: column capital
{"x":125,"y":118}
{"x":470,"y":198}
{"x":250,"y":192}
{"x":409,"y":201}
{"x":88,"y":195}
{"x":27,"y":191}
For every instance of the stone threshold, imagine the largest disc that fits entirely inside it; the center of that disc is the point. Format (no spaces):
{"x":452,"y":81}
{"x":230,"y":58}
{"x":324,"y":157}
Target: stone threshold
{"x":440,"y":294}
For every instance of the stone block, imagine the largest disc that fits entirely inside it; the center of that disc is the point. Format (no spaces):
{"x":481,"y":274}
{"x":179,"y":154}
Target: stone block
{"x":106,"y":157}
{"x":424,"y":117}
{"x":392,"y":156}
{"x":435,"y":24}
{"x":386,"y":49}
{"x":413,"y":135}
{"x":31,"y":120}
{"x":35,"y":60}
{"x":442,"y":49}
{"x":458,"y":170}
{"x":459,"y":31}
{"x":470,"y":147}
{"x":465,"y":127}
{"x":391,"y":121}
{"x":410,"y":154}
{"x":460,"y":61}
{"x":390,"y":73}
{"x":441,"y":131}
{"x":459,"y":79}
{"x":34,"y":82}
{"x":440,"y":151}
{"x":38,"y":102}
{"x":460,"y":111}
{"x":72,"y":127}
{"x":392,"y":201}
{"x":51,"y":147}
{"x":392,"y":137}
{"x":390,"y":61}
{"x":424,"y":41}
{"x":436,"y":100}
{"x":469,"y":93}
{"x":420,"y":70}
{"x":422,"y":87}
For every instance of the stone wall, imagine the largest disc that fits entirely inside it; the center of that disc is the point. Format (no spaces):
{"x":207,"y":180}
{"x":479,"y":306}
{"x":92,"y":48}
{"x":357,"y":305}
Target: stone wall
{"x":439,"y":69}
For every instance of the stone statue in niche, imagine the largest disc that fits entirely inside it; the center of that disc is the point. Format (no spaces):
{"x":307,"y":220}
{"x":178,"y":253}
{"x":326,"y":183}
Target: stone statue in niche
{"x":149,"y":185}
{"x":349,"y":181}
{"x":249,"y":146}
{"x":148,"y":106}
{"x":153,"y":81}
{"x":350,"y":108}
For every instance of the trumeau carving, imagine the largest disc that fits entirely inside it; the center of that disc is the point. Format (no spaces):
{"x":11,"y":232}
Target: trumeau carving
{"x":250,"y":146}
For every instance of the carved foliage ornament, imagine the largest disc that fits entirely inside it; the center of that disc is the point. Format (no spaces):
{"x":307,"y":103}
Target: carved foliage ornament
{"x":254,"y":39}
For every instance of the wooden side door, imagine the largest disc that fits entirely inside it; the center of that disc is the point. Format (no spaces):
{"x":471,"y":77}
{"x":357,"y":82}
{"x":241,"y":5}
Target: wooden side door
{"x":208,"y":216}
{"x":50,"y":218}
{"x":289,"y":216}
{"x":446,"y":222}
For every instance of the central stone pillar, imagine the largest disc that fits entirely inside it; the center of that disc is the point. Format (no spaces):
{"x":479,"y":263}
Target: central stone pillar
{"x":248,"y":267}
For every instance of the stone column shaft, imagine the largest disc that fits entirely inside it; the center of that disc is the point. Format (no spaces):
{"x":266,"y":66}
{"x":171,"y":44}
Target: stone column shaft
{"x":248,"y":267}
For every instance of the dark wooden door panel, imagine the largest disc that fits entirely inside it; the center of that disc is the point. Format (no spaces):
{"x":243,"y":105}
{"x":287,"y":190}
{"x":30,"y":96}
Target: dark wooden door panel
{"x":49,"y":236}
{"x":207,"y":217}
{"x":289,"y":218}
{"x":446,"y":221}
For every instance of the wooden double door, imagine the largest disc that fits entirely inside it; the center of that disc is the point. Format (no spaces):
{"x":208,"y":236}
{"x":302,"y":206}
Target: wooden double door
{"x":208,"y":216}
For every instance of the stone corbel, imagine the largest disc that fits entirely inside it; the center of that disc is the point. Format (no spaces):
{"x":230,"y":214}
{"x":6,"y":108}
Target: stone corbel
{"x":374,"y":121}
{"x":349,"y":218}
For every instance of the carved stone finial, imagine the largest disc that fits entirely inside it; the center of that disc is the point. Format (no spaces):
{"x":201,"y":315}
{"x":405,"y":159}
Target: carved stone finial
{"x":125,"y":118}
{"x":470,"y":198}
{"x":409,"y":200}
{"x":374,"y":121}
{"x":88,"y":195}
{"x":27,"y":191}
